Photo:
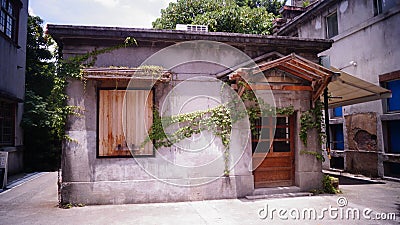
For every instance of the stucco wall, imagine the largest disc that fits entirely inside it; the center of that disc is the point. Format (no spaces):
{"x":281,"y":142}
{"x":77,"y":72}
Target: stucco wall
{"x":308,"y":170}
{"x":90,"y":180}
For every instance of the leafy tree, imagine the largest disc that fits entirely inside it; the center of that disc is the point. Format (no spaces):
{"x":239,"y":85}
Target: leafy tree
{"x":237,"y":19}
{"x":238,"y":16}
{"x":272,"y":6}
{"x":184,"y":12}
{"x":42,"y":148}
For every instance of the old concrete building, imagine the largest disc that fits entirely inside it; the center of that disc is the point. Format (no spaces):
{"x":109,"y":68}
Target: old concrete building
{"x":13,"y":28}
{"x":365,"y":137}
{"x":117,"y":93}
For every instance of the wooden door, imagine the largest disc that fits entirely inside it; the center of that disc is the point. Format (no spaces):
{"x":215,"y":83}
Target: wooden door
{"x":273,"y":152}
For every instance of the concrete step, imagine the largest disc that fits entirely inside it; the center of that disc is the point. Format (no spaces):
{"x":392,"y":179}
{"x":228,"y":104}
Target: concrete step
{"x":276,"y":190}
{"x":283,"y":195}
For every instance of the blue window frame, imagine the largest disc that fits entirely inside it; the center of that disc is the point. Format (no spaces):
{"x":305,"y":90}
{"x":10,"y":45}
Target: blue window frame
{"x":338,"y":112}
{"x":337,"y":136}
{"x":393,"y":103}
{"x":394,"y":136}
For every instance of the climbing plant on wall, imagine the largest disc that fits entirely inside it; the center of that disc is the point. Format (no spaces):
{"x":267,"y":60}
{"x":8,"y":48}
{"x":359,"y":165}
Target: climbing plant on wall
{"x":218,"y":120}
{"x":309,"y":120}
{"x":72,"y":68}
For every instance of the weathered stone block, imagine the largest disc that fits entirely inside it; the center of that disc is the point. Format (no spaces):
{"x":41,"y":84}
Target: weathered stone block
{"x":362,"y":131}
{"x":362,"y":162}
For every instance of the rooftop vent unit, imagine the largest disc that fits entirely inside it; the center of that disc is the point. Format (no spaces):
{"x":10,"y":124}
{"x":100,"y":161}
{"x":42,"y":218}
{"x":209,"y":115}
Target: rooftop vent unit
{"x":192,"y":27}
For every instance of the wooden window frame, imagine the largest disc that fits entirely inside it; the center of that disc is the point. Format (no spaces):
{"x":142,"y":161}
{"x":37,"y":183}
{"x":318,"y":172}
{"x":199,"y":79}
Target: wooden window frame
{"x":255,"y":139}
{"x":98,"y":125}
{"x":5,"y":14}
{"x":327,"y":25}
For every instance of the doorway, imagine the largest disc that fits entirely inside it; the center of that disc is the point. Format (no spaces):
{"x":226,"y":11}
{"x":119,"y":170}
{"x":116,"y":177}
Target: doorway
{"x":273,"y":152}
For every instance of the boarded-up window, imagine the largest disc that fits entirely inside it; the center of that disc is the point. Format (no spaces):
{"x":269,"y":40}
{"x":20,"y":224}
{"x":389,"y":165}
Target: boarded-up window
{"x":123,"y":127}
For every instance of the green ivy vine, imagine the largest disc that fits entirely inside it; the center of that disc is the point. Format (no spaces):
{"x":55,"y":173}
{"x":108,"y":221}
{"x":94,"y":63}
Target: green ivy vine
{"x":72,"y":68}
{"x":317,"y":155}
{"x":313,"y":119}
{"x":218,"y":120}
{"x":260,"y":108}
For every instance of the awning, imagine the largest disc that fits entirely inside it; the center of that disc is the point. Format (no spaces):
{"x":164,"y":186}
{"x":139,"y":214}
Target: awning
{"x":345,"y":89}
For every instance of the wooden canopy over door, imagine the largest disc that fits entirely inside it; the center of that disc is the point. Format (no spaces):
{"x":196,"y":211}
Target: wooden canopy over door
{"x":273,"y":152}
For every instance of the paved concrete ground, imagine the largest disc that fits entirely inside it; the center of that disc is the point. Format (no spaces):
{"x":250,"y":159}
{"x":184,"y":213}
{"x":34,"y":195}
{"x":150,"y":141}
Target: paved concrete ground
{"x":35,"y":202}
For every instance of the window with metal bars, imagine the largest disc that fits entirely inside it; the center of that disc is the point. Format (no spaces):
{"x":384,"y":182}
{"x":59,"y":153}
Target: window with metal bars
{"x":7,"y":123}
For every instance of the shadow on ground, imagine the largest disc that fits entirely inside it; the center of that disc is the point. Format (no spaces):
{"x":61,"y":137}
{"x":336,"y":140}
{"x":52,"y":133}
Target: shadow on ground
{"x":354,"y":181}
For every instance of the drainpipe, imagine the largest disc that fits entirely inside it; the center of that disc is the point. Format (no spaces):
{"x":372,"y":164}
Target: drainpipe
{"x":328,"y":137}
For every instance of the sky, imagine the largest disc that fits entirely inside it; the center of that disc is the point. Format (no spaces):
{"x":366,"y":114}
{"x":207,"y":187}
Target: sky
{"x":121,"y":13}
{"x":116,"y":13}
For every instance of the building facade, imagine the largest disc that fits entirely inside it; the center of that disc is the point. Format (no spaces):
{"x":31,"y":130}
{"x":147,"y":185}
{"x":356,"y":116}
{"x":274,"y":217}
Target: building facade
{"x":365,"y":137}
{"x":13,"y":33}
{"x":98,"y":167}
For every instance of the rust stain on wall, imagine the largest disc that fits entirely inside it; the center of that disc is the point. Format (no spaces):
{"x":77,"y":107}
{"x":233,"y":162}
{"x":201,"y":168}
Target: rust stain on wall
{"x":365,"y":141}
{"x":361,"y":131}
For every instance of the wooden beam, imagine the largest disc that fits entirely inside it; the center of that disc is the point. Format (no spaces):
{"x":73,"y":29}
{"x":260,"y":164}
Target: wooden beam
{"x":241,"y":91}
{"x":319,"y":91}
{"x":280,"y":87}
{"x":311,"y":68}
{"x":304,"y":71}
{"x":284,"y":79}
{"x":272,"y":64}
{"x":297,"y":88}
{"x":316,"y":65}
{"x":295,"y":73}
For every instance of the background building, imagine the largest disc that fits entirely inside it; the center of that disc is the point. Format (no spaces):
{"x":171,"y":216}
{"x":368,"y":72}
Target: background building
{"x":366,"y":136}
{"x":13,"y":31}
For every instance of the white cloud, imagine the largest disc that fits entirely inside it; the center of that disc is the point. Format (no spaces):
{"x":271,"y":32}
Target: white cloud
{"x":108,"y":3}
{"x":30,"y":11}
